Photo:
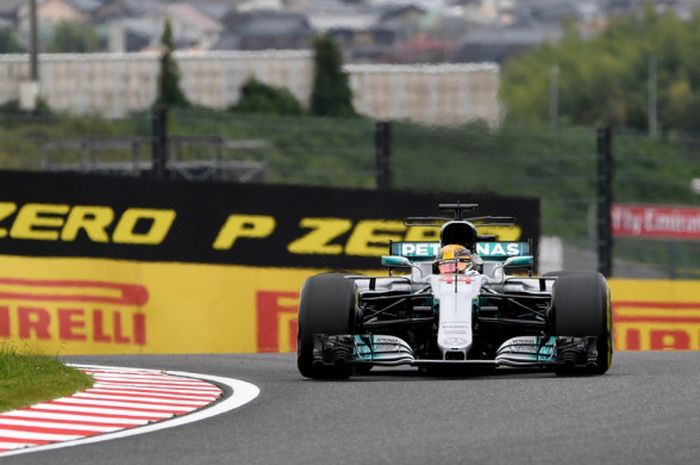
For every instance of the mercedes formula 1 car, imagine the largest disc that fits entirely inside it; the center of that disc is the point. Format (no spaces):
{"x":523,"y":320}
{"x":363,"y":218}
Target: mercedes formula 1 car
{"x":467,"y":301}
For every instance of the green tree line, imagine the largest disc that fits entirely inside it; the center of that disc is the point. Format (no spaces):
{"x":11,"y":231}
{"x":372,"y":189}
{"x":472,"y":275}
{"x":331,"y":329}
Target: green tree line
{"x":606,"y":79}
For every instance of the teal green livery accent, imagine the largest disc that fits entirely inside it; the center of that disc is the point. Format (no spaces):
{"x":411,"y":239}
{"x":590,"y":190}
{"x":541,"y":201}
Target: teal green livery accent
{"x":362,"y":350}
{"x":395,"y":261}
{"x":523,"y":261}
{"x":546,"y":352}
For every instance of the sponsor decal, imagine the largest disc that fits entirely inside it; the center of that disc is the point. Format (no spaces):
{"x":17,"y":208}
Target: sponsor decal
{"x":656,"y":314}
{"x":450,"y":279}
{"x":72,"y":310}
{"x":502,"y":249}
{"x":649,"y":325}
{"x":656,"y":222}
{"x":485,"y":249}
{"x":277,"y":321}
{"x":95,"y":306}
{"x":417,"y":249}
{"x":99,"y":223}
{"x":65,"y":215}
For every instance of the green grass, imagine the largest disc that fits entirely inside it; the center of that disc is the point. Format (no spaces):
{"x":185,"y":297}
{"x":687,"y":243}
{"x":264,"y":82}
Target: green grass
{"x":27,"y":378}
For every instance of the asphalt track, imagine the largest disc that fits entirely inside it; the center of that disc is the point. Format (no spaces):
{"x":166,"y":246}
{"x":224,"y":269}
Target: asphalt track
{"x":646,"y":410}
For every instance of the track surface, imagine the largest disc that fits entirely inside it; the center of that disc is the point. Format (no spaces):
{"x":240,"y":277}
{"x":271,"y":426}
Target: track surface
{"x":646,"y":410}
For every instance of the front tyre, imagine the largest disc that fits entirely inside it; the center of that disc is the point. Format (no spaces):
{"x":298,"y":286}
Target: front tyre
{"x":327,"y":306}
{"x":581,"y":308}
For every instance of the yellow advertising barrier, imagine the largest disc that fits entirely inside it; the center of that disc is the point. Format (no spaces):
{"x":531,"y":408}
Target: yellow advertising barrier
{"x":104,"y":306}
{"x":656,"y":315}
{"x":101,"y":306}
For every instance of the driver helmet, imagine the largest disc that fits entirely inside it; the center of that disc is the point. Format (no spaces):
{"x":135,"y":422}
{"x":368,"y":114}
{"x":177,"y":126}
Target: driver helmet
{"x":453,"y":258}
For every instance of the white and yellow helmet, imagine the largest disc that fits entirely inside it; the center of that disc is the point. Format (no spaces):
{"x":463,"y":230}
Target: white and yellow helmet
{"x":453,"y":258}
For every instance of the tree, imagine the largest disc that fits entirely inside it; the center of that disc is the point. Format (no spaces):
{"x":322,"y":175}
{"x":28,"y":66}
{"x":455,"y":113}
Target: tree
{"x":257,"y":97}
{"x":331,"y":94}
{"x":605,"y":79}
{"x":73,"y":38}
{"x":169,"y":91}
{"x":8,"y":42}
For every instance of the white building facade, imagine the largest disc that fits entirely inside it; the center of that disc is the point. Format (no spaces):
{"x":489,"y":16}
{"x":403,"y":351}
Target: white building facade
{"x":113,"y":85}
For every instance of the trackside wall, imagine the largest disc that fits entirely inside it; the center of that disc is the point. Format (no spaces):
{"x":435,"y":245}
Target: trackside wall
{"x":96,"y":265}
{"x":99,"y":265}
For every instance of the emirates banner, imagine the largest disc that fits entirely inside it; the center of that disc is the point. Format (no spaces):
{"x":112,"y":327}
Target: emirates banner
{"x":656,"y":222}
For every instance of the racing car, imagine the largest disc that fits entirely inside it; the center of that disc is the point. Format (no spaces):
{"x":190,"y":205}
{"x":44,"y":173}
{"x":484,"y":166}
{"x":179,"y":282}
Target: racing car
{"x":467,"y":301}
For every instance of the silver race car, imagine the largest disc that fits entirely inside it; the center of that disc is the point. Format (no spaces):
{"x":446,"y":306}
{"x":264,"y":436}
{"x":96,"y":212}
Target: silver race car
{"x":465,"y":302}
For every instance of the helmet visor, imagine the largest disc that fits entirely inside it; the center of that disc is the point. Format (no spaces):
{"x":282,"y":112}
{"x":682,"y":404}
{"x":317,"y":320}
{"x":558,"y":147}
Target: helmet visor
{"x":451,"y":266}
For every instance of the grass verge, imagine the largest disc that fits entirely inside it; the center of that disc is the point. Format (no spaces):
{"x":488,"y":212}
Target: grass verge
{"x":28,"y":378}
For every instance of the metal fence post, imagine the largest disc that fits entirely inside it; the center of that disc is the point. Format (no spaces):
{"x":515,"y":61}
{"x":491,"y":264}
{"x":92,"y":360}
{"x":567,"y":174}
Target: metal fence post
{"x":604,"y":201}
{"x":159,"y":142}
{"x":382,"y":152}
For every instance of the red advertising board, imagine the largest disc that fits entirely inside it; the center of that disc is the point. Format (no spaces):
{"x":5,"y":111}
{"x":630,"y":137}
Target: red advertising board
{"x":656,"y":222}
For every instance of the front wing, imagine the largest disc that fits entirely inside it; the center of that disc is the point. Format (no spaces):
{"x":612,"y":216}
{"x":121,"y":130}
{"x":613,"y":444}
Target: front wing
{"x":522,"y":351}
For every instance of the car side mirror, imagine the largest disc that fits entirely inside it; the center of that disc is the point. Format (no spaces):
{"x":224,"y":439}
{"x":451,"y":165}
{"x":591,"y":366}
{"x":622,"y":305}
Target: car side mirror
{"x":396,"y":261}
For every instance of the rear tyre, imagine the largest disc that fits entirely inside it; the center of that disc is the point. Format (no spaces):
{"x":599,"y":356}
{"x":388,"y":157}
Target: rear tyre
{"x":581,"y":308}
{"x":327,"y":306}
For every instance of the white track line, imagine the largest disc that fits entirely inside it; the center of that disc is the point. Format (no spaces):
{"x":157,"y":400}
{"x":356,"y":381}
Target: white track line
{"x":116,"y":403}
{"x":243,"y":393}
{"x":102,"y":411}
{"x":191,"y":391}
{"x":67,"y":416}
{"x":150,"y":382}
{"x":140,"y":400}
{"x":8,"y":445}
{"x":7,"y":433}
{"x":172,"y":392}
{"x":153,"y":394}
{"x":49,"y":424}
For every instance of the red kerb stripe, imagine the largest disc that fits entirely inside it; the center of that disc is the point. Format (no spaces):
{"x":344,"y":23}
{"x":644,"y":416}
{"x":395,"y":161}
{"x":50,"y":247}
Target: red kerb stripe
{"x":126,"y":409}
{"x":70,"y":422}
{"x":174,"y":385}
{"x":138,"y":395}
{"x":100,"y":415}
{"x":24,"y":441}
{"x":159,"y":401}
{"x":204,"y":395}
{"x":46,"y":430}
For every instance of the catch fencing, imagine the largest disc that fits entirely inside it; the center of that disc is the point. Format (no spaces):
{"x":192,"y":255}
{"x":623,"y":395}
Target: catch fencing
{"x":560,"y":166}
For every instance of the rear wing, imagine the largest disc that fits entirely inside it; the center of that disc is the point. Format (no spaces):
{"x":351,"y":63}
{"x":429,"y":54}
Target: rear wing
{"x":493,"y":251}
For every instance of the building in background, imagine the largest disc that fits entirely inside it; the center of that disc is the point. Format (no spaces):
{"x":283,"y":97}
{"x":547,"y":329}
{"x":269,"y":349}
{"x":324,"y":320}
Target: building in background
{"x":114,"y":85}
{"x":265,"y":30}
{"x":445,"y":94}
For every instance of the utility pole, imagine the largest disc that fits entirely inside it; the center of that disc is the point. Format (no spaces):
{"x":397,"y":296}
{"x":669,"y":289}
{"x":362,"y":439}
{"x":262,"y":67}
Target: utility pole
{"x":34,"y":41}
{"x":653,"y":121}
{"x":382,"y":153}
{"x":604,"y":202}
{"x":554,"y":96}
{"x":159,"y":142}
{"x":29,"y":90}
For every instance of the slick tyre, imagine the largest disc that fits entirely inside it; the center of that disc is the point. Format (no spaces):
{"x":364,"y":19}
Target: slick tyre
{"x":581,"y":307}
{"x":327,"y":306}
